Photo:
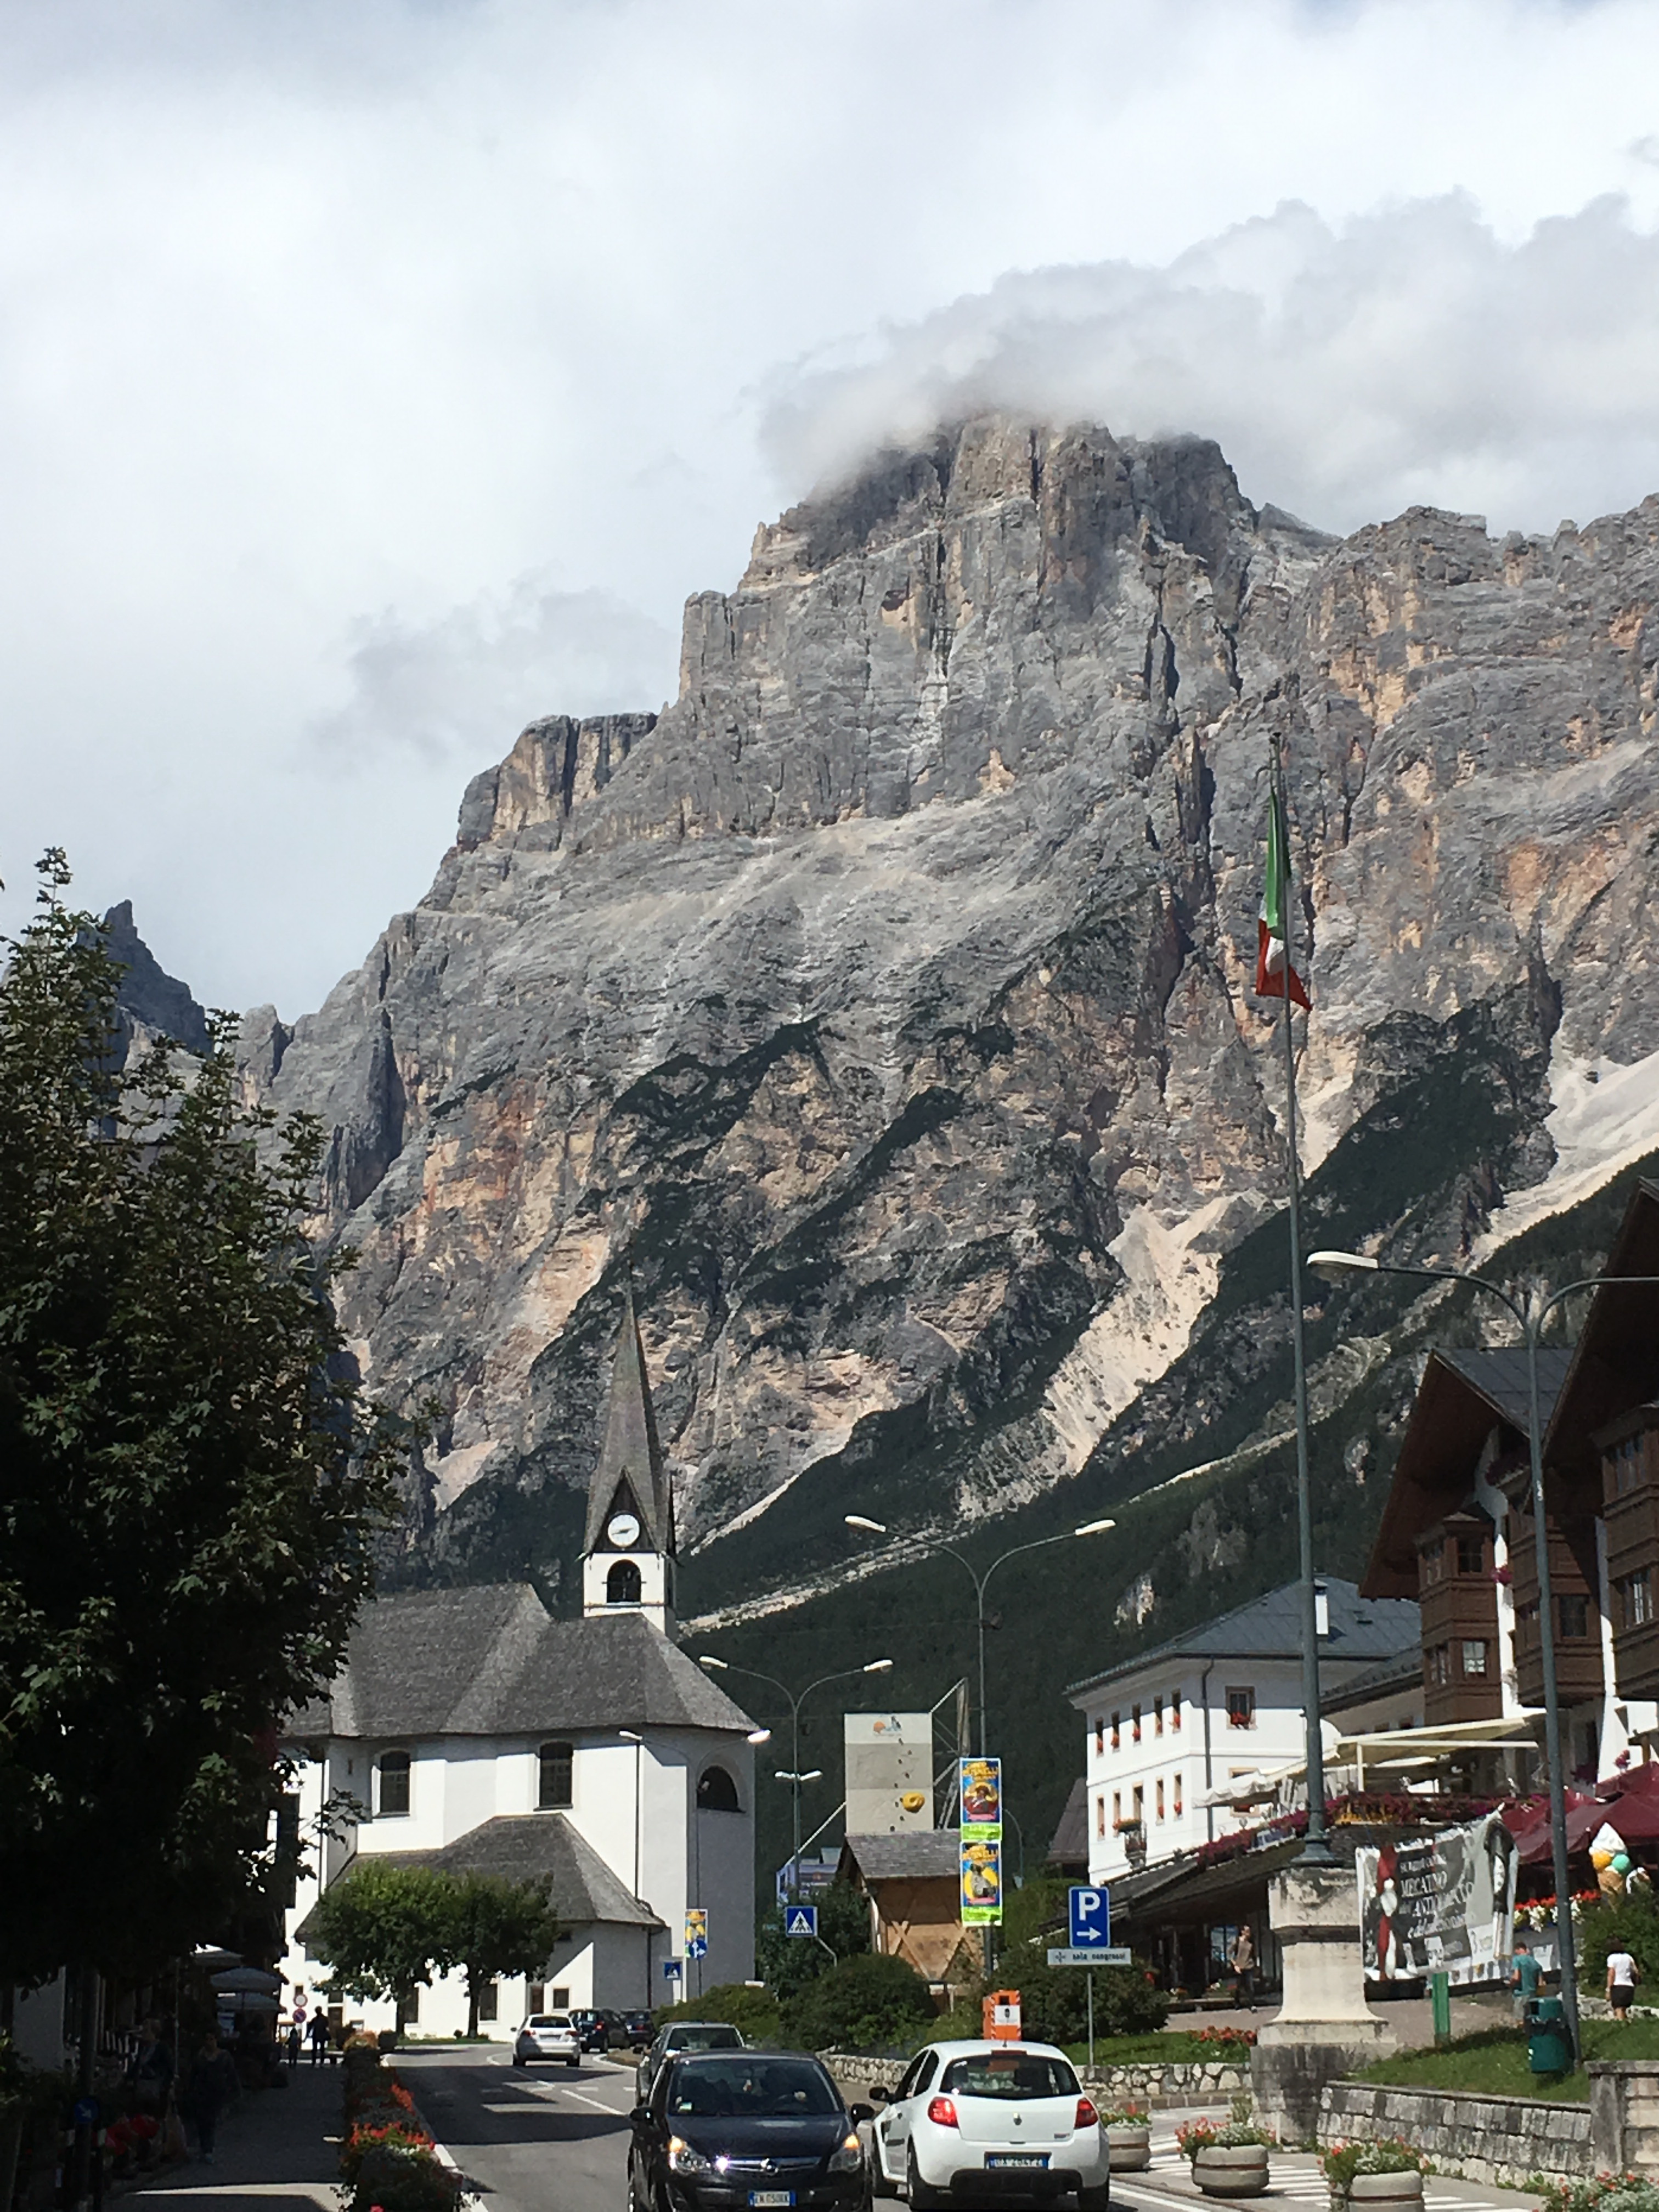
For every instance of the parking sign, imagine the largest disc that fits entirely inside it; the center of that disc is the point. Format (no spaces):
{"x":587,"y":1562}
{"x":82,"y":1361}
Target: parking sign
{"x":1092,"y":1918}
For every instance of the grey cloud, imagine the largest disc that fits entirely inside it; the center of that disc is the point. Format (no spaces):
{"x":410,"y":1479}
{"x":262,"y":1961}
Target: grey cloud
{"x":1348,"y":371}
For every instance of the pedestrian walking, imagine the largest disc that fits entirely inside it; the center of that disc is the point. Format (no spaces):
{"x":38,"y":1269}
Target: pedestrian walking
{"x":295,"y":2044}
{"x":151,"y":2072}
{"x":1524,"y":1977}
{"x":211,"y":2086}
{"x":318,"y":2033}
{"x":1623,"y":1975}
{"x":1242,"y":1959}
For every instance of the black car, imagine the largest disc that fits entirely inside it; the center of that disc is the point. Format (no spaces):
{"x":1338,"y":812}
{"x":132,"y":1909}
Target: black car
{"x":593,"y":2026}
{"x":638,"y":2028}
{"x":746,"y":2131}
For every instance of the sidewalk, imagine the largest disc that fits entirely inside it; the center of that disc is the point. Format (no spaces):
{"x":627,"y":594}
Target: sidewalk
{"x":1296,"y":2179}
{"x":274,"y":2150}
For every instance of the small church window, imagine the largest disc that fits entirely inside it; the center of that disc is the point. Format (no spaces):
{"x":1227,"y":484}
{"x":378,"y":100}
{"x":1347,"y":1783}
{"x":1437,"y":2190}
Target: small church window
{"x":555,"y":1763}
{"x":621,"y":1584}
{"x":716,"y":1791}
{"x":393,"y":1794}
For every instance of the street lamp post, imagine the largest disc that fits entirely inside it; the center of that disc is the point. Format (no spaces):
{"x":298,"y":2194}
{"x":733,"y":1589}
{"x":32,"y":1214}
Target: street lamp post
{"x":795,"y":1777}
{"x":1332,"y":1266}
{"x":879,"y":1528}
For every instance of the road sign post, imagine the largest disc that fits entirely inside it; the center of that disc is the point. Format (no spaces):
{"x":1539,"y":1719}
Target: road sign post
{"x":801,"y":1920}
{"x":1089,"y":1913}
{"x":1113,"y":1955}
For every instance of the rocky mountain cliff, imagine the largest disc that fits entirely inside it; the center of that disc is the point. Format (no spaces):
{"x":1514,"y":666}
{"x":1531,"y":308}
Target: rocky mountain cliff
{"x":884,"y":1006}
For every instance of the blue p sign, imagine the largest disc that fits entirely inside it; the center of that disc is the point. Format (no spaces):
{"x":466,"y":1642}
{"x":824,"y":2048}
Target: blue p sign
{"x":1091,"y":1918}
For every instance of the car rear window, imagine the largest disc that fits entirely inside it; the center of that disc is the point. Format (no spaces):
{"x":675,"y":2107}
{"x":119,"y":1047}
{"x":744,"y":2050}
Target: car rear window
{"x":753,"y":2087}
{"x":1014,"y":2075}
{"x":549,"y":2020}
{"x":705,"y":2038}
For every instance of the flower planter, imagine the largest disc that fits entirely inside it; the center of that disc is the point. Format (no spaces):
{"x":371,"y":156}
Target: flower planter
{"x":1129,"y":2147}
{"x":1386,"y":2189}
{"x":1232,"y":2170}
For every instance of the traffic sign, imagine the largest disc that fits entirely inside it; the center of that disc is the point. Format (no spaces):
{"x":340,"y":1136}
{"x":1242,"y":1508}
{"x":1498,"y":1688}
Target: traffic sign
{"x":1065,"y":1955}
{"x":672,"y":1970}
{"x":1090,"y":1917}
{"x":801,"y":1920}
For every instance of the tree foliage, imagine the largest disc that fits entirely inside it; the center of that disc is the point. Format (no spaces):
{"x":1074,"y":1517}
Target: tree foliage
{"x":868,"y":2003}
{"x":755,"y":2012}
{"x":788,"y":1963}
{"x":493,"y":1927}
{"x":189,"y":1479}
{"x":387,"y":1928}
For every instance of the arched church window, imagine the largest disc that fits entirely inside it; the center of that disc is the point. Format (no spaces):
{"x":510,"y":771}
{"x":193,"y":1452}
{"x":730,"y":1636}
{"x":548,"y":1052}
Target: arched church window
{"x":392,"y":1795}
{"x":621,"y":1584}
{"x":716,"y":1791}
{"x":555,"y":1763}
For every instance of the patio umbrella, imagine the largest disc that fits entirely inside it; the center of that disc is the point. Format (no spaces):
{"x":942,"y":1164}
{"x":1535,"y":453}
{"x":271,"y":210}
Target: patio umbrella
{"x":249,"y":1979}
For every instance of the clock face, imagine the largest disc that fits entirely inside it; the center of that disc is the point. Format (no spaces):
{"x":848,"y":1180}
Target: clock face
{"x":622,"y":1529}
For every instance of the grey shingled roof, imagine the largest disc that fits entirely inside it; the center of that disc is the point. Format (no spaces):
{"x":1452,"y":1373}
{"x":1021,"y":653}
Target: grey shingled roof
{"x":630,"y":1458}
{"x":491,"y":1661}
{"x":1270,"y":1628}
{"x":1500,"y":1376}
{"x":1403,"y":1672}
{"x":907,"y":1855}
{"x":1070,"y":1846}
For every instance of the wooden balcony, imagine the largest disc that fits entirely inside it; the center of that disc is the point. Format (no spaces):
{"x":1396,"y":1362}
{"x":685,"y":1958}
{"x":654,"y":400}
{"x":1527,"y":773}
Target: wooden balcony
{"x":1463,"y":1675}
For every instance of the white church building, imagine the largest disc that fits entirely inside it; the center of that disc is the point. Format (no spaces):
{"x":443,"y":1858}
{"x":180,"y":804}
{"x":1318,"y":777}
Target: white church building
{"x":469,"y":1730}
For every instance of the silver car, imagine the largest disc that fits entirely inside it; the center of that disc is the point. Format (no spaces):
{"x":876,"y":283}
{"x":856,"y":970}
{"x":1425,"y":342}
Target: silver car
{"x":681,"y":2035}
{"x":547,"y":2035}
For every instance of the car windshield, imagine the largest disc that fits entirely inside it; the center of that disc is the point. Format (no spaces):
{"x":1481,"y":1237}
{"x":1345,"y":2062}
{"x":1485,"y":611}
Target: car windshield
{"x":1013,"y":2074}
{"x":753,"y":2087}
{"x":704,"y":2039}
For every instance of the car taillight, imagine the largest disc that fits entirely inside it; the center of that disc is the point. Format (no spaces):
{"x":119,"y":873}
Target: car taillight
{"x":942,"y":2113}
{"x":1086,"y":2115}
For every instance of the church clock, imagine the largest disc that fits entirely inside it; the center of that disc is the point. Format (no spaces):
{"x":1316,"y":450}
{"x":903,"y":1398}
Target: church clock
{"x":622,"y":1529}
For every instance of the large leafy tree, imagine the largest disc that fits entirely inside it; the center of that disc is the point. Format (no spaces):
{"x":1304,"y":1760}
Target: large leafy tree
{"x":495,"y":1926}
{"x":383,"y":1930}
{"x":189,"y":1480}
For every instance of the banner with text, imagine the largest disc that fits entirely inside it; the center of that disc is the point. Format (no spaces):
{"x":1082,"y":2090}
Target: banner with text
{"x":1439,"y":1903}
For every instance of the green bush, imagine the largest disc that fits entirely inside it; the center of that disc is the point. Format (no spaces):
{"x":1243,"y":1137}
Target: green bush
{"x":755,"y":2012}
{"x":868,"y":2003}
{"x":1054,"y":2001}
{"x":1390,"y":2156}
{"x":404,"y":2181}
{"x":1608,"y":2192}
{"x":786,"y":1963}
{"x":1627,"y":1923}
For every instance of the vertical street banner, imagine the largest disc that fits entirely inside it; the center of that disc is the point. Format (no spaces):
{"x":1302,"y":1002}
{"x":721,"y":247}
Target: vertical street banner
{"x":980,"y":1790}
{"x":982,"y":1882}
{"x":696,"y":1932}
{"x":1441,"y":1903}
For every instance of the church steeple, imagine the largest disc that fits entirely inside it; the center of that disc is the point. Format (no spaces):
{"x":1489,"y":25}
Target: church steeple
{"x":627,"y":1549}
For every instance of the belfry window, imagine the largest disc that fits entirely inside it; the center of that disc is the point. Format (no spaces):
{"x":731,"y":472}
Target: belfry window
{"x":716,"y":1791}
{"x":623,"y":1585}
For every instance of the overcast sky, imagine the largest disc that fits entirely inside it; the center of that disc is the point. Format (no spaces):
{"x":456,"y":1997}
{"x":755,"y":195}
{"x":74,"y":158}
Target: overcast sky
{"x":375,"y":375}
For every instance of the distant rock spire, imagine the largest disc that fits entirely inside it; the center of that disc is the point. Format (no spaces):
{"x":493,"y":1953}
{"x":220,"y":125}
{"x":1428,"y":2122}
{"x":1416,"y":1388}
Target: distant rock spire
{"x":149,"y":999}
{"x":629,"y":1476}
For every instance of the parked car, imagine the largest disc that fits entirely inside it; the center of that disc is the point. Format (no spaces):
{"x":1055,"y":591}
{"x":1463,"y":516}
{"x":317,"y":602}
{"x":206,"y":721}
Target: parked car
{"x":681,"y":2035}
{"x":594,"y":2024}
{"x":638,"y":2028}
{"x":741,"y":2128}
{"x":547,"y":2035}
{"x":999,"y":2120}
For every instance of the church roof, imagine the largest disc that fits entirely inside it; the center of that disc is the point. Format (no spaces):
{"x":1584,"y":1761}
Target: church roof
{"x":631,"y":1455}
{"x":492,"y":1661}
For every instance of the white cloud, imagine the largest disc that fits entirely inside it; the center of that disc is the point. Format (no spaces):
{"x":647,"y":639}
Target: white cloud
{"x":322,"y":322}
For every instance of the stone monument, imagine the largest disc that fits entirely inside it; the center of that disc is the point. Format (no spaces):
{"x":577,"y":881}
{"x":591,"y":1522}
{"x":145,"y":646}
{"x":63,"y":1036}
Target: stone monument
{"x":1323,"y":2029}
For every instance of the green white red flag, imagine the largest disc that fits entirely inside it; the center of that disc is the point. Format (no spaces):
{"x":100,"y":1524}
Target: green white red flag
{"x":1272,"y":964}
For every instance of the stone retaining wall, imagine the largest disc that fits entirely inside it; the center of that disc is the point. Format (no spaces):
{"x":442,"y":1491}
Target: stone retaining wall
{"x":1496,"y":2139}
{"x":1155,"y":2088}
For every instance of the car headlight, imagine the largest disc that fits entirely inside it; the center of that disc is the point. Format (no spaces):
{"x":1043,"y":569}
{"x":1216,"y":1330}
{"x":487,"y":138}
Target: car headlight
{"x":849,"y":2155}
{"x":683,"y":2159}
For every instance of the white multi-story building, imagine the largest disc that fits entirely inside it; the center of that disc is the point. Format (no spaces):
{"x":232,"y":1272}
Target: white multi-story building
{"x":469,"y":1730}
{"x":1179,"y":1734}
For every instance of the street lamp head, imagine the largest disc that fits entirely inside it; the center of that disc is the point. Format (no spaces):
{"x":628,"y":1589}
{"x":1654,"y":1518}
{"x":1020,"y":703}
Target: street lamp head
{"x":1094,"y":1528}
{"x":863,"y":1520}
{"x":812,"y":1774}
{"x":1331,"y":1267}
{"x":707,"y":1659}
{"x":879,"y":1667}
{"x":759,"y":1736}
{"x":630,"y":1735}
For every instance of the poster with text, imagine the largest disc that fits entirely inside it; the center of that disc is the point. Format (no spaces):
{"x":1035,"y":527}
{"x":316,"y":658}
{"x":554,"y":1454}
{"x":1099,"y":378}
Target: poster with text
{"x":981,"y":1785}
{"x":981,"y":1881}
{"x":1443,"y":1902}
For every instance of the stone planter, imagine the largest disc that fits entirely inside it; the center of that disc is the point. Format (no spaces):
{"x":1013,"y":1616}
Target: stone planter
{"x":1236,"y":2169}
{"x":1406,"y":2189}
{"x":1129,"y":2147}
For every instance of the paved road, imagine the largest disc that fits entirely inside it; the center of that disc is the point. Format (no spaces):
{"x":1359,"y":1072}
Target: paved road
{"x":529,"y":2139}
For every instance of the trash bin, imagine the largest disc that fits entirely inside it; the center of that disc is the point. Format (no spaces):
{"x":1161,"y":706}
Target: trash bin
{"x":1548,"y":2049}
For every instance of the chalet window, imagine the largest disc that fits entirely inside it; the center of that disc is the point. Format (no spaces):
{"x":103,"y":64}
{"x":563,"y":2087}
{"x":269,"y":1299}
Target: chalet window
{"x":1471,"y":1555}
{"x":1433,"y":1562}
{"x":1626,"y":1465}
{"x":1134,"y":1725}
{"x":621,"y":1584}
{"x":1139,"y":1804}
{"x":1117,"y":1809}
{"x":1474,"y":1655}
{"x":555,"y":1764}
{"x":1100,"y":1735}
{"x":1174,"y":1712}
{"x":1100,"y":1816}
{"x":1636,"y":1600}
{"x":487,"y":2001}
{"x":1177,"y":1796}
{"x":1117,"y":1730}
{"x":1157,"y":1715}
{"x":716,"y":1791}
{"x":561,"y":1999}
{"x":1436,"y":1664}
{"x":1158,"y":1801}
{"x":1571,"y":1616}
{"x":1241,"y":1708}
{"x":391,"y":1794}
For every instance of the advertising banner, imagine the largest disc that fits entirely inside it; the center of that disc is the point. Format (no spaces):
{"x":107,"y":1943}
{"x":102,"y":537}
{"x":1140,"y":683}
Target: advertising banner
{"x":1439,"y":1903}
{"x":980,"y":1783}
{"x":981,"y":1881}
{"x":696,"y":1932}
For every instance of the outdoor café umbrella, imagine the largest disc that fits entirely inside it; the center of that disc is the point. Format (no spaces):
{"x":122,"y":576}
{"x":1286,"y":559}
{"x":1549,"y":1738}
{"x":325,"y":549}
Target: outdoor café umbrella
{"x":248,"y":1981}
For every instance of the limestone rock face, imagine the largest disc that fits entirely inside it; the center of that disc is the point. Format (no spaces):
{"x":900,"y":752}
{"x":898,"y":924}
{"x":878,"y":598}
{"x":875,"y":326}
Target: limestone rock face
{"x":884,"y":1005}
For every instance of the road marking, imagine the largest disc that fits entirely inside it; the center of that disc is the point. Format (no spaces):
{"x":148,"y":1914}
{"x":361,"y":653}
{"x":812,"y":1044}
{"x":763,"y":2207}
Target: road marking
{"x":598,"y":2107}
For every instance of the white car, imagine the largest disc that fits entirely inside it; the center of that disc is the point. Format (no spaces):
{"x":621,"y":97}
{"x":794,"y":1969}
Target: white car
{"x":988,"y":2120}
{"x":547,"y":2035}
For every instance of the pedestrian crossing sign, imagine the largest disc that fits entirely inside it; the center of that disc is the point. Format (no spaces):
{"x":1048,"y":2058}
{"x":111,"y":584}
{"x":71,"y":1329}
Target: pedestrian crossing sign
{"x":800,"y":1920}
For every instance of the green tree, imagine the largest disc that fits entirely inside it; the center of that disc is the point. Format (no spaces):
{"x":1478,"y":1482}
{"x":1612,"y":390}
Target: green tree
{"x":786,"y":1963}
{"x":753,"y":2011}
{"x":383,"y":1930}
{"x":494,"y":1927}
{"x":868,"y":2003}
{"x":189,"y":1480}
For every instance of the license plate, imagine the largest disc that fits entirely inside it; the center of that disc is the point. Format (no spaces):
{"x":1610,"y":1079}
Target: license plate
{"x":1018,"y":2158}
{"x":771,"y":2197}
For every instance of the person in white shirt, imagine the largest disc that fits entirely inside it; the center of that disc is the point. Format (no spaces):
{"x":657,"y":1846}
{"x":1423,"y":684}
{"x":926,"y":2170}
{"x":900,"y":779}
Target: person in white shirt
{"x":1623,"y":1974}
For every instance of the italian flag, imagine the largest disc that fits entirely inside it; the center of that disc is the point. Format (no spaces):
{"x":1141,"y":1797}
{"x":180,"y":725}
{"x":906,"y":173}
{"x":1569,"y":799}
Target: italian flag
{"x":1272,"y":967}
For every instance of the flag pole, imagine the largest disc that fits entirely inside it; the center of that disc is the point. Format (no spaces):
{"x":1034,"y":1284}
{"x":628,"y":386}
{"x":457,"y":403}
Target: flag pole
{"x":1316,"y":1849}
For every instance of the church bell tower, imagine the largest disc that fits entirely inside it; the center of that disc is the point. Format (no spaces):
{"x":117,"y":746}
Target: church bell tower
{"x":628,"y":1550}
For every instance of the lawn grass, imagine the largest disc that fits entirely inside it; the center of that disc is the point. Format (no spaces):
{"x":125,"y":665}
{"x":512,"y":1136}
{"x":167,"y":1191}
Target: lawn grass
{"x":1493,"y":2062}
